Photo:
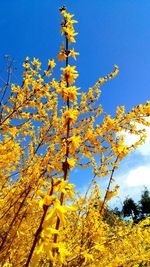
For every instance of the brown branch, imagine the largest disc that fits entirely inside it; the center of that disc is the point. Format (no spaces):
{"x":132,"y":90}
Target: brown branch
{"x":15,"y":217}
{"x":65,"y":164}
{"x":39,"y":230}
{"x":109,"y":183}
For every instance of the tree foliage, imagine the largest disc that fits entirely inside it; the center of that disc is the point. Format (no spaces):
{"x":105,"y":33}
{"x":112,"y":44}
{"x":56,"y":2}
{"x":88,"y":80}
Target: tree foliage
{"x":130,"y":208}
{"x":49,"y":127}
{"x":137,"y":211}
{"x":145,"y":202}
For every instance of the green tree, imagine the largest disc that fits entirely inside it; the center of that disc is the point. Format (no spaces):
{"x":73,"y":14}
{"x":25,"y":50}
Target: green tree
{"x":144,"y":202}
{"x":130,"y":208}
{"x":137,"y":211}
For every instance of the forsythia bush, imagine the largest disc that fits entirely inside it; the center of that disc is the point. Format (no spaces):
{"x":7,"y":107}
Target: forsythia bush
{"x":48,"y":127}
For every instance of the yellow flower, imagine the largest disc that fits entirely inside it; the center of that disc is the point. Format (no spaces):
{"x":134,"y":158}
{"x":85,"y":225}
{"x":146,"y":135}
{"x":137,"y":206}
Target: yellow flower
{"x":71,"y":162}
{"x":70,"y":92}
{"x":47,"y":73}
{"x":70,"y":33}
{"x":68,"y":16}
{"x":36,"y":63}
{"x":62,"y":54}
{"x":26,"y":65}
{"x":47,"y":200}
{"x":67,"y":26}
{"x":69,"y":74}
{"x":51,"y":63}
{"x":55,"y":84}
{"x":120,"y":150}
{"x":75,"y":142}
{"x":112,"y":193}
{"x":70,"y":115}
{"x":27,"y":58}
{"x":73,"y":53}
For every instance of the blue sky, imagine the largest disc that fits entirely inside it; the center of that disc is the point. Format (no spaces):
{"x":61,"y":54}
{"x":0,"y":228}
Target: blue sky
{"x":110,"y":32}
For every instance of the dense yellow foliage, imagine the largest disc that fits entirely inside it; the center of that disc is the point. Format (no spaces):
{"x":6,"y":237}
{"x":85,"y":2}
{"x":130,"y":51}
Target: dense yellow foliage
{"x":48,"y":127}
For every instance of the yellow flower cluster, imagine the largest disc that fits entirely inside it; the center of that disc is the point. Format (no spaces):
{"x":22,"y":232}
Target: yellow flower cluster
{"x":67,"y":25}
{"x":69,"y":74}
{"x":68,"y":30}
{"x":70,"y":115}
{"x":70,"y":93}
{"x":63,"y":53}
{"x":108,"y":77}
{"x":121,"y":150}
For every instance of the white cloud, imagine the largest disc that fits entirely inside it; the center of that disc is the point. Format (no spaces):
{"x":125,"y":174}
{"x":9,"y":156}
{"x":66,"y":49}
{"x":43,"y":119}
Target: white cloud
{"x":132,"y":184}
{"x":139,"y":176}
